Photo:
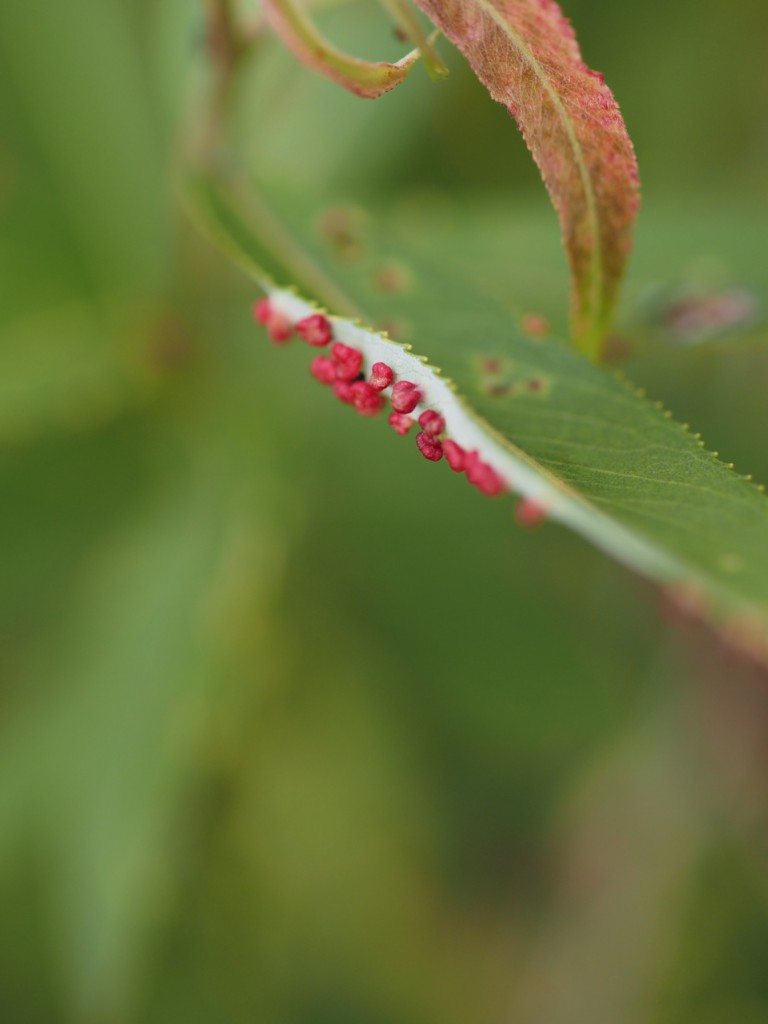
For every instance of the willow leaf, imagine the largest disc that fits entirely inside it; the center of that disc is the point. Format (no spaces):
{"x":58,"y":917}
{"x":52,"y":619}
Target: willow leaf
{"x":573,"y":438}
{"x":526,"y":54}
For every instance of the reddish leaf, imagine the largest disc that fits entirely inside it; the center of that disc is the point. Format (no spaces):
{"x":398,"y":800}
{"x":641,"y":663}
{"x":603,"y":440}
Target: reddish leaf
{"x":525,"y":53}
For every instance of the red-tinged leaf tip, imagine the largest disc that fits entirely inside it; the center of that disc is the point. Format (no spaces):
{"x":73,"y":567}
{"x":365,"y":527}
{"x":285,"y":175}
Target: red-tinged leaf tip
{"x":530,"y":513}
{"x":429,"y":447}
{"x":366,"y":399}
{"x":432,"y":422}
{"x":381,"y":376}
{"x":366,"y":79}
{"x":400,"y":423}
{"x":405,"y":396}
{"x":323,"y":369}
{"x":455,"y":455}
{"x":484,"y":477}
{"x":525,"y":53}
{"x":315,"y":330}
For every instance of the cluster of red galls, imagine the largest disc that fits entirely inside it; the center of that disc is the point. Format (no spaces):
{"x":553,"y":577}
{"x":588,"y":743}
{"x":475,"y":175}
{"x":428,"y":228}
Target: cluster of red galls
{"x":341,"y":370}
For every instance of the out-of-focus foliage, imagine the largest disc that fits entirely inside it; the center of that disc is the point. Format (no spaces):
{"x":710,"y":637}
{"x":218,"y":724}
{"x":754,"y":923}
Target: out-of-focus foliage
{"x":293,"y":729}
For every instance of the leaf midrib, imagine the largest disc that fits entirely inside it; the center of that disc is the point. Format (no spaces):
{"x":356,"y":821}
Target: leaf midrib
{"x":578,"y":153}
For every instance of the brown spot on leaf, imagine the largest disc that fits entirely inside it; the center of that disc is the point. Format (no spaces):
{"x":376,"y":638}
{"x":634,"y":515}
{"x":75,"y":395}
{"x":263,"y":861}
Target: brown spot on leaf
{"x":393,"y":278}
{"x":170,"y":346}
{"x":343,"y":228}
{"x":492,"y":365}
{"x":397,"y":330}
{"x":499,"y":390}
{"x":535,"y":326}
{"x":618,"y":348}
{"x":502,"y":378}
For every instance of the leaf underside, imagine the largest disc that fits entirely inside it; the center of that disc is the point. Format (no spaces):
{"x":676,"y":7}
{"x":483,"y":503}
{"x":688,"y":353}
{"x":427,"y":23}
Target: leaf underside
{"x":526,"y":54}
{"x":575,"y":438}
{"x":423,"y":268}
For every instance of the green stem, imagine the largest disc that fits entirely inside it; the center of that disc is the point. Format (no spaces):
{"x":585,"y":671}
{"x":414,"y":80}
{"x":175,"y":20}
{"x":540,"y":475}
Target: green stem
{"x":368,"y":79}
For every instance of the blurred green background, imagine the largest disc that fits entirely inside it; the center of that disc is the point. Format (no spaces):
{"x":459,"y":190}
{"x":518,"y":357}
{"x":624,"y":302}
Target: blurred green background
{"x":294,"y":730}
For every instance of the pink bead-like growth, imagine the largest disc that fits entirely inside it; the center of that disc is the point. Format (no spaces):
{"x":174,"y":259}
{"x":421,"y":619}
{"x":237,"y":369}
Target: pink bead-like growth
{"x":262,"y":310}
{"x":429,"y":447}
{"x":483,"y":476}
{"x":343,"y":353}
{"x":280,"y":327}
{"x":381,"y":376}
{"x":348,"y":361}
{"x":530,"y":513}
{"x":455,"y":455}
{"x":315,"y":330}
{"x":366,"y":399}
{"x":405,"y":396}
{"x":342,"y":370}
{"x":432,"y":422}
{"x":323,"y":369}
{"x":278,"y":324}
{"x":343,"y":391}
{"x":400,"y":422}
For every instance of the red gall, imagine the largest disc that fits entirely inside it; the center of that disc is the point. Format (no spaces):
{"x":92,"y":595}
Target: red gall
{"x":366,"y":399}
{"x":400,"y":422}
{"x":529,"y":513}
{"x":381,"y":376}
{"x":455,"y":455}
{"x":483,"y":476}
{"x":429,"y":447}
{"x":348,"y":361}
{"x":343,"y":391}
{"x":315,"y":330}
{"x":405,"y":396}
{"x":323,"y":369}
{"x":432,"y":422}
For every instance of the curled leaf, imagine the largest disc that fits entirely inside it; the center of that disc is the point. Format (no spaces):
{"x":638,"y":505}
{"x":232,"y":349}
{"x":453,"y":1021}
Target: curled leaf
{"x":407,"y":21}
{"x":526,"y":54}
{"x":367,"y":79}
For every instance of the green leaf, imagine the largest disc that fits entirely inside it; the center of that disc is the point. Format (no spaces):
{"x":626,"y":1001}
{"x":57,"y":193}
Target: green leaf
{"x":102,"y":765}
{"x":575,"y":439}
{"x":57,"y":372}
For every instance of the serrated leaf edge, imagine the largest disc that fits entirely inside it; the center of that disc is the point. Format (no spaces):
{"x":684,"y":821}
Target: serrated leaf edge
{"x":522,"y":474}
